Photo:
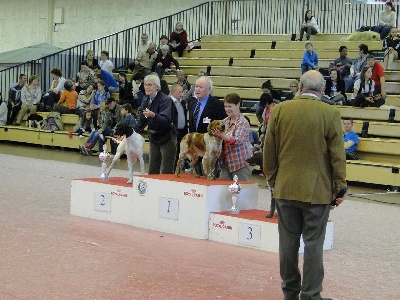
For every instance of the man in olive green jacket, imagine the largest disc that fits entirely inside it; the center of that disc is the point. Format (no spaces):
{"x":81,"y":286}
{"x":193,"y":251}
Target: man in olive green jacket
{"x":305,"y":165}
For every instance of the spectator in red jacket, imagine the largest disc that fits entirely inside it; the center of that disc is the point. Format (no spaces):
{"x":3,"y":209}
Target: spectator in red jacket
{"x":178,"y":39}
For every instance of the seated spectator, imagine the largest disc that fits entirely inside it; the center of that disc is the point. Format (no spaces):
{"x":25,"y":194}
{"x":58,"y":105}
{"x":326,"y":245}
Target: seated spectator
{"x":144,"y":44}
{"x":30,"y":97}
{"x":342,"y":63}
{"x":294,"y":87}
{"x":163,"y":41}
{"x":85,"y":123}
{"x":178,"y":39}
{"x":350,"y":139}
{"x":127,"y":116}
{"x":182,"y":81}
{"x":392,"y":49}
{"x":84,"y":78}
{"x":125,"y":90}
{"x":186,"y":96}
{"x":387,"y":20}
{"x":100,"y":96}
{"x":70,"y":97}
{"x":14,"y":99}
{"x":334,"y":89}
{"x":137,"y":90}
{"x":309,"y":26}
{"x":378,"y":76}
{"x":84,"y":98}
{"x":355,"y":70}
{"x":55,"y":90}
{"x":364,"y":90}
{"x":164,"y":60}
{"x":267,"y":87}
{"x":310,"y":59}
{"x":144,"y":63}
{"x":115,"y":113}
{"x":3,"y":111}
{"x":104,"y":63}
{"x":108,"y":79}
{"x":91,"y":61}
{"x":102,"y":128}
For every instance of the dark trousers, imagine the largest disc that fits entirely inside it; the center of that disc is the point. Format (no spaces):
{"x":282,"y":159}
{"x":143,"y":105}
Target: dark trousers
{"x":162,"y":157}
{"x":64,"y":110}
{"x":309,"y":31}
{"x":180,"y":50}
{"x":297,"y":218}
{"x":360,"y":101}
{"x":50,"y":100}
{"x":12,"y":112}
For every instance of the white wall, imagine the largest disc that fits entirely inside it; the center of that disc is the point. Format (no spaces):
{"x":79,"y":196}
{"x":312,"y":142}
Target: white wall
{"x":30,"y":22}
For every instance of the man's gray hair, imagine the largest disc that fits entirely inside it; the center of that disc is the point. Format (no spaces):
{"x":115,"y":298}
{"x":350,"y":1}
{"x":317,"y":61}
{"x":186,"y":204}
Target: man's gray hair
{"x":313,"y":82}
{"x":154,"y":79}
{"x":207,"y":80}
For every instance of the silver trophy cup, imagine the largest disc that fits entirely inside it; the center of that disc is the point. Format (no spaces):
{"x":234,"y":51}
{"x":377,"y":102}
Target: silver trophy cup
{"x":234,"y":188}
{"x":104,"y":156}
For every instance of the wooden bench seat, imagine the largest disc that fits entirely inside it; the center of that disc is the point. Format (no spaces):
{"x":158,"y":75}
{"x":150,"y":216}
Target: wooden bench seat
{"x":246,"y":82}
{"x":262,"y":53}
{"x":270,"y":37}
{"x":373,"y":172}
{"x":367,"y":113}
{"x":247,"y":62}
{"x":378,"y":129}
{"x":266,"y":44}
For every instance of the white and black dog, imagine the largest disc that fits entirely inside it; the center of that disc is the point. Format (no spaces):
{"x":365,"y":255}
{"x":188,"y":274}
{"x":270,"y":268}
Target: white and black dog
{"x":34,"y":120}
{"x":132,"y":145}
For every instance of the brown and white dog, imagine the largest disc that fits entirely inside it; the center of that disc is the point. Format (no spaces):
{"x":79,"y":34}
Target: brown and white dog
{"x":205,"y":145}
{"x":132,"y":145}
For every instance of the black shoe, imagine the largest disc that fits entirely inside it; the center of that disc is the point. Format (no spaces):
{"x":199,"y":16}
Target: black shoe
{"x":270,"y":215}
{"x":299,"y":40}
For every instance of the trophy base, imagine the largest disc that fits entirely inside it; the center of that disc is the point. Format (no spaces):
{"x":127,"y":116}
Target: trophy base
{"x":233,"y":211}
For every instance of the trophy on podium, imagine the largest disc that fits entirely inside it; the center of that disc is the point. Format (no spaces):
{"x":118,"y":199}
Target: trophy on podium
{"x":234,"y":188}
{"x":104,"y":156}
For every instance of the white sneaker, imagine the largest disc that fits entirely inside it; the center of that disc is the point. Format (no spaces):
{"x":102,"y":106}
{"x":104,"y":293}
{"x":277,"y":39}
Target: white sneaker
{"x":81,"y":136}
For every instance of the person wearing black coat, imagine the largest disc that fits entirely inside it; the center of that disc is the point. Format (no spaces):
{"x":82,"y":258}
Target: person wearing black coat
{"x":335,"y":91}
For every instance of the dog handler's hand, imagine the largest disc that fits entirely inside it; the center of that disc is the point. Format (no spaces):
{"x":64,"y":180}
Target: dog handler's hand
{"x":339,"y":200}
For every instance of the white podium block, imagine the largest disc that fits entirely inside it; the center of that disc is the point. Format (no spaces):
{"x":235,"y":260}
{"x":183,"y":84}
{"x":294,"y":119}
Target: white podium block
{"x":110,"y":200}
{"x":251,"y":228}
{"x":181,"y":205}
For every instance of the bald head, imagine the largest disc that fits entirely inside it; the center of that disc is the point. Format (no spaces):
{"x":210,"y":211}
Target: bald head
{"x":312,"y":82}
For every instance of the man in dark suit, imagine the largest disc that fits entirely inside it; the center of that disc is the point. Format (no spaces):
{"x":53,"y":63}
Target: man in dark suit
{"x":204,"y":108}
{"x":181,"y":126}
{"x":305,"y":164}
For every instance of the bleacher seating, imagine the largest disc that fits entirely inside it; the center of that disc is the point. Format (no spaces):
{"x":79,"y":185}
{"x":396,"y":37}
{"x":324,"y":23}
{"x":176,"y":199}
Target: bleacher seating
{"x":241,"y":63}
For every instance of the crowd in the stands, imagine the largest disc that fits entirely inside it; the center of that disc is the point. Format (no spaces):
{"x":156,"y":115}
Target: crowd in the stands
{"x":89,"y":93}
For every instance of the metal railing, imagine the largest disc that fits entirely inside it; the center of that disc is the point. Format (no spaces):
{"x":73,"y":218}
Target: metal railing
{"x":213,"y":17}
{"x":121,"y":45}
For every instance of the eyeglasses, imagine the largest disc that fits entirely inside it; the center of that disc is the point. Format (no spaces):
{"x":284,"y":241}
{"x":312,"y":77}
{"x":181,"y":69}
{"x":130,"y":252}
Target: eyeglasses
{"x":148,"y":84}
{"x":293,"y":86}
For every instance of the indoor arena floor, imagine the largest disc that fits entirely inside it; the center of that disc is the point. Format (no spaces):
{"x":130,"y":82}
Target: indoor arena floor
{"x":45,"y":253}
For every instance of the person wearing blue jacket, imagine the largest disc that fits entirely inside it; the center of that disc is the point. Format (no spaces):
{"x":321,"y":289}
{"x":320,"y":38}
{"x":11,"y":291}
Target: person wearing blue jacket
{"x":108,"y":78}
{"x":310,"y":59}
